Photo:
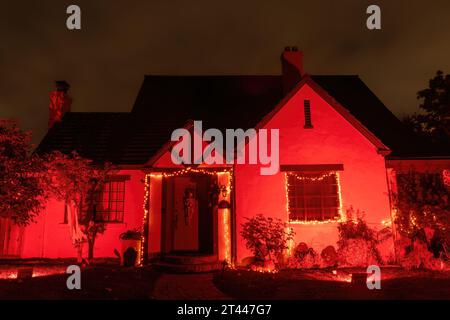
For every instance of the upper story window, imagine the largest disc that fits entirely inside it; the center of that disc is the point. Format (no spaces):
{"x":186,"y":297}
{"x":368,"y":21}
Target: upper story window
{"x":313,"y":196}
{"x":307,"y":112}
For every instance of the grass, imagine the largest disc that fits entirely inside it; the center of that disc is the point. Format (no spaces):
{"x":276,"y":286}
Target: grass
{"x":99,"y":282}
{"x":323,"y":285}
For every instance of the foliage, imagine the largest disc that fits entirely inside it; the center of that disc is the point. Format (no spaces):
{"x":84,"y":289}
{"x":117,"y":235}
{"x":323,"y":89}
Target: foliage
{"x":21,"y":193}
{"x":422,"y":200}
{"x":357,"y":245}
{"x":435,"y":121}
{"x":266,"y":237}
{"x":130,"y":235}
{"x":76,"y":181}
{"x":415,"y":254}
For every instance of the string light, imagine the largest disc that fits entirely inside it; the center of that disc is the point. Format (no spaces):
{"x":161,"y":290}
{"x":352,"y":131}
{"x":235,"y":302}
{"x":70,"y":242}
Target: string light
{"x":146,"y":208}
{"x":311,"y":178}
{"x":188,"y":170}
{"x":226,"y":217}
{"x":340,"y":218}
{"x":386,"y":222}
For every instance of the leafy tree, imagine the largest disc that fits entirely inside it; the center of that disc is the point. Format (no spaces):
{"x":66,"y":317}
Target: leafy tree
{"x":21,"y":193}
{"x":76,"y":181}
{"x":435,"y":103}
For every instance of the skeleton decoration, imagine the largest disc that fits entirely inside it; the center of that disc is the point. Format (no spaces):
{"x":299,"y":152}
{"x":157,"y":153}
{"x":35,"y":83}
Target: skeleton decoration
{"x":190,"y":205}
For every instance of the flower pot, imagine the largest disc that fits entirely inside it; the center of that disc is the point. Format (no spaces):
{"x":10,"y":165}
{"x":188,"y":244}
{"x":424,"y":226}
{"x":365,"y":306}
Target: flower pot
{"x":130,"y":254}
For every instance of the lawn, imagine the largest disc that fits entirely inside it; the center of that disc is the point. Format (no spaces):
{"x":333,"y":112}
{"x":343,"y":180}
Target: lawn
{"x":396,"y":284}
{"x":108,"y":281}
{"x":101,"y":281}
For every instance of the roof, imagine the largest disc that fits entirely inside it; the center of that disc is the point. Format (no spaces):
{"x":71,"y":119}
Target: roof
{"x":165,"y":103}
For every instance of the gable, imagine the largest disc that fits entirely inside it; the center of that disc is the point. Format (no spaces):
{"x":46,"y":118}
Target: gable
{"x":319,"y":94}
{"x":333,"y":135}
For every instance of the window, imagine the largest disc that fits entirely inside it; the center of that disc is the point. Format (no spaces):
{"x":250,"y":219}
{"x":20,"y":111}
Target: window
{"x":313,"y":197}
{"x":109,"y":202}
{"x":307,"y":111}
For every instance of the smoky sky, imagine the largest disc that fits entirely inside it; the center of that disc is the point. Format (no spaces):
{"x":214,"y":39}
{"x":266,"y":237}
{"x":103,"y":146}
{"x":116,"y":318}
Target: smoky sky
{"x":121,"y":41}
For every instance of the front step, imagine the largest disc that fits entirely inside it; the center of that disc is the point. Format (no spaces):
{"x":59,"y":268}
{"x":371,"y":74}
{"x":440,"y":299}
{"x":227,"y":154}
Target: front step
{"x":188,"y":268}
{"x":188,"y":263}
{"x":189,"y":259}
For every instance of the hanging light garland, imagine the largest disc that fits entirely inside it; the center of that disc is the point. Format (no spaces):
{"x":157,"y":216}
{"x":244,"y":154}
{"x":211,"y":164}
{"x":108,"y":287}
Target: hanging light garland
{"x":146,"y":207}
{"x":188,"y":170}
{"x":341,"y":217}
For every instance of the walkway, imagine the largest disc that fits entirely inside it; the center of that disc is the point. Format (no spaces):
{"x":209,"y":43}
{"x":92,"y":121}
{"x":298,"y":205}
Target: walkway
{"x":198,"y":286}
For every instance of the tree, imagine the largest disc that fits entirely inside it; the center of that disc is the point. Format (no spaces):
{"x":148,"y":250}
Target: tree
{"x":76,"y":181}
{"x":423,"y":201}
{"x":435,"y":102}
{"x":21,"y":172}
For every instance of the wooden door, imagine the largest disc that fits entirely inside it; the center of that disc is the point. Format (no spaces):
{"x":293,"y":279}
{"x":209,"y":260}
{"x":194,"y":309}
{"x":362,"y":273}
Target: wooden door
{"x":185,"y":214}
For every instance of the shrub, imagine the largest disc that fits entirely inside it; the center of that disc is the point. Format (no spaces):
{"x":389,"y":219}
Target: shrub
{"x":357,"y":245}
{"x":422,"y":251}
{"x":267,"y":238}
{"x":358,"y":253}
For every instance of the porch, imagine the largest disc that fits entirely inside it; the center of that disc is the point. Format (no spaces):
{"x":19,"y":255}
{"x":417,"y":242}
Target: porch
{"x":188,"y":219}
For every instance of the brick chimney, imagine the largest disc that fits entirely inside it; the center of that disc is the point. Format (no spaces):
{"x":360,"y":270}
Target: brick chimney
{"x":60,"y":103}
{"x":291,"y":67}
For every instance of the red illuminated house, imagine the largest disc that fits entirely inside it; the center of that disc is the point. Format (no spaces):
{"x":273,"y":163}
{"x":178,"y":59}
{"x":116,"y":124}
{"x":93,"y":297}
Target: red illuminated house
{"x":333,"y":130}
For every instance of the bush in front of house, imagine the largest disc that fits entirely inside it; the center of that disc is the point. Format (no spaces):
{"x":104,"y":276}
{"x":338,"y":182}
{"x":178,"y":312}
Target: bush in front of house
{"x":417,"y":252}
{"x":357,"y":245}
{"x":267,"y":238}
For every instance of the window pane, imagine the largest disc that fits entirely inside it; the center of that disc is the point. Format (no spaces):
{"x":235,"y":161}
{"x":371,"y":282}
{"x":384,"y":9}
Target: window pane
{"x":313,"y":197}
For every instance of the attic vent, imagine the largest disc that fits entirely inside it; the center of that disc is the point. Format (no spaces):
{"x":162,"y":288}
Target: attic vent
{"x":307,"y":110}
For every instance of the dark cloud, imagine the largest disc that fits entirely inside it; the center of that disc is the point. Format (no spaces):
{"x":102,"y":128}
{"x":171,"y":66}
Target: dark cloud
{"x":120,"y":41}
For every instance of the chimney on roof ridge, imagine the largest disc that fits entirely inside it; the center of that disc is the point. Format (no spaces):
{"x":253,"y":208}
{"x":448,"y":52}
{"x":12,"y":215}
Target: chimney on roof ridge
{"x":291,"y":67}
{"x":60,"y":103}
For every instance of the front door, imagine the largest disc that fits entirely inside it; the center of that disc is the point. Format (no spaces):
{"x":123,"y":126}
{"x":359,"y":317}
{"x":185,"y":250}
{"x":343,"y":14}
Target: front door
{"x":185,"y":214}
{"x":189,"y":222}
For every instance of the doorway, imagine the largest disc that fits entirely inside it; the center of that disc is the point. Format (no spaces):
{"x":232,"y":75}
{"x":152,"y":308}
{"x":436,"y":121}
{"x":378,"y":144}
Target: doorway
{"x":189,"y":221}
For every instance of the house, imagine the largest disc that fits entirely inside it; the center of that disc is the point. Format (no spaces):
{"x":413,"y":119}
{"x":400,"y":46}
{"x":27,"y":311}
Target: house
{"x":339,"y":148}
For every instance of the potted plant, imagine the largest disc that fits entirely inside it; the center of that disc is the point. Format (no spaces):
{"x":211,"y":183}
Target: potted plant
{"x":130,"y":254}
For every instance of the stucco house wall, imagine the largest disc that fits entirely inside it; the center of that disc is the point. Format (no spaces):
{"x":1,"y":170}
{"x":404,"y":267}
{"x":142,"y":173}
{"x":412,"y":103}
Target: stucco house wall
{"x":332,"y":140}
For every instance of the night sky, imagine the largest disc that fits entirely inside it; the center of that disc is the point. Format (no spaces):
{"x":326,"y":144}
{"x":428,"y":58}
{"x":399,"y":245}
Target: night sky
{"x":120,"y":41}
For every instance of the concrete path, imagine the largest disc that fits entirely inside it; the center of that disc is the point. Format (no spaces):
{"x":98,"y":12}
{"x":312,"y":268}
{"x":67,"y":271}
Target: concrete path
{"x":198,"y":286}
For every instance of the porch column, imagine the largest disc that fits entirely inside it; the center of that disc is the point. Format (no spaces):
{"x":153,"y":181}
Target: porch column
{"x":145,"y":222}
{"x":224,"y":216}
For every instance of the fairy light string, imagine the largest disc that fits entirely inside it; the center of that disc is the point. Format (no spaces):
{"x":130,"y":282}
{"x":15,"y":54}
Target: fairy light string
{"x":340,"y":218}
